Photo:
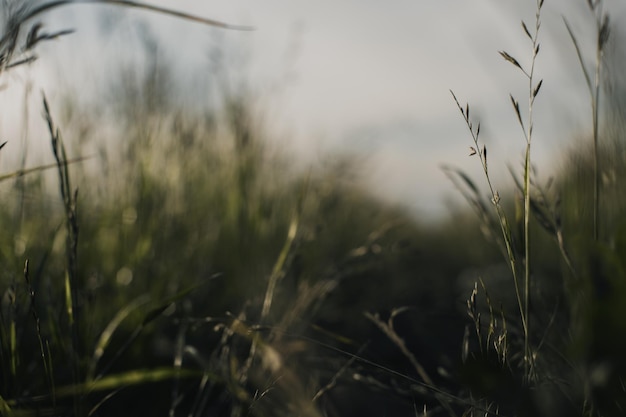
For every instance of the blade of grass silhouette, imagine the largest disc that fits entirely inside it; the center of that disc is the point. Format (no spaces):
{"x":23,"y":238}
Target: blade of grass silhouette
{"x":46,"y":7}
{"x":333,"y":381}
{"x":73,"y":281}
{"x":22,"y":172}
{"x":150,"y":316}
{"x":106,"y":398}
{"x":9,"y":40}
{"x":507,"y":250}
{"x":579,"y":54}
{"x":527,"y":129}
{"x":107,"y":333}
{"x":125,"y":379}
{"x":388,"y":329}
{"x":602,"y":33}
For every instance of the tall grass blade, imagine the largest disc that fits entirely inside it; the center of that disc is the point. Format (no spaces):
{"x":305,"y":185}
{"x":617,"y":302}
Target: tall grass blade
{"x":126,"y":379}
{"x":579,"y":54}
{"x":277,"y":270}
{"x":150,"y":316}
{"x":107,"y":333}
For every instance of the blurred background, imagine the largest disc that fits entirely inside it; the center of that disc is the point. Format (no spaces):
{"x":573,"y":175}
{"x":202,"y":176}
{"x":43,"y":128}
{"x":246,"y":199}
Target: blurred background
{"x":367,"y":79}
{"x":266,"y":207}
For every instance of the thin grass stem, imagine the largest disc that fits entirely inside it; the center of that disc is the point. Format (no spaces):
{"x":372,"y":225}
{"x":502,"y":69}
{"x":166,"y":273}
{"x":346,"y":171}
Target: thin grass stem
{"x":72,"y":284}
{"x":503,"y":222}
{"x":602,"y":35}
{"x":533,"y":90}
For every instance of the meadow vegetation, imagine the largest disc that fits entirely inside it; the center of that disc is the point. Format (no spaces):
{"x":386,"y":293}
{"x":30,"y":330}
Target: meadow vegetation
{"x":188,"y":267}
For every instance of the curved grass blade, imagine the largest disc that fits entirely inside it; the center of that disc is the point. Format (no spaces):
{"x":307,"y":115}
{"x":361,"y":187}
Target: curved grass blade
{"x":126,"y":379}
{"x":43,"y":8}
{"x":152,"y":315}
{"x":107,"y":333}
{"x":5,"y":409}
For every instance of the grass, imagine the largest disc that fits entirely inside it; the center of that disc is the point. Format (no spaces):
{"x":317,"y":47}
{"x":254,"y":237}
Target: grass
{"x":537,"y":344}
{"x":522,"y":291}
{"x":240,"y":285}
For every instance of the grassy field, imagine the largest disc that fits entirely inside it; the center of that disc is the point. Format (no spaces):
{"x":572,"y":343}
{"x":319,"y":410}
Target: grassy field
{"x":191,"y":269}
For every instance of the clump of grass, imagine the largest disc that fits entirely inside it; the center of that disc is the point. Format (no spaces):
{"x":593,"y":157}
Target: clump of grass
{"x":506,"y":361}
{"x":227,"y":218}
{"x":538,"y":350}
{"x":522,"y":288}
{"x":17,"y":49}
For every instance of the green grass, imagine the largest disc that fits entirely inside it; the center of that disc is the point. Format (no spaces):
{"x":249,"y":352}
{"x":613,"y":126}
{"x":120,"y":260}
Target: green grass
{"x":192,"y":269}
{"x":561,"y":356}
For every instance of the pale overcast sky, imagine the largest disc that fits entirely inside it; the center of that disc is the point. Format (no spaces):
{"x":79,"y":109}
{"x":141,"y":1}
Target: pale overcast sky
{"x":370,"y":76}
